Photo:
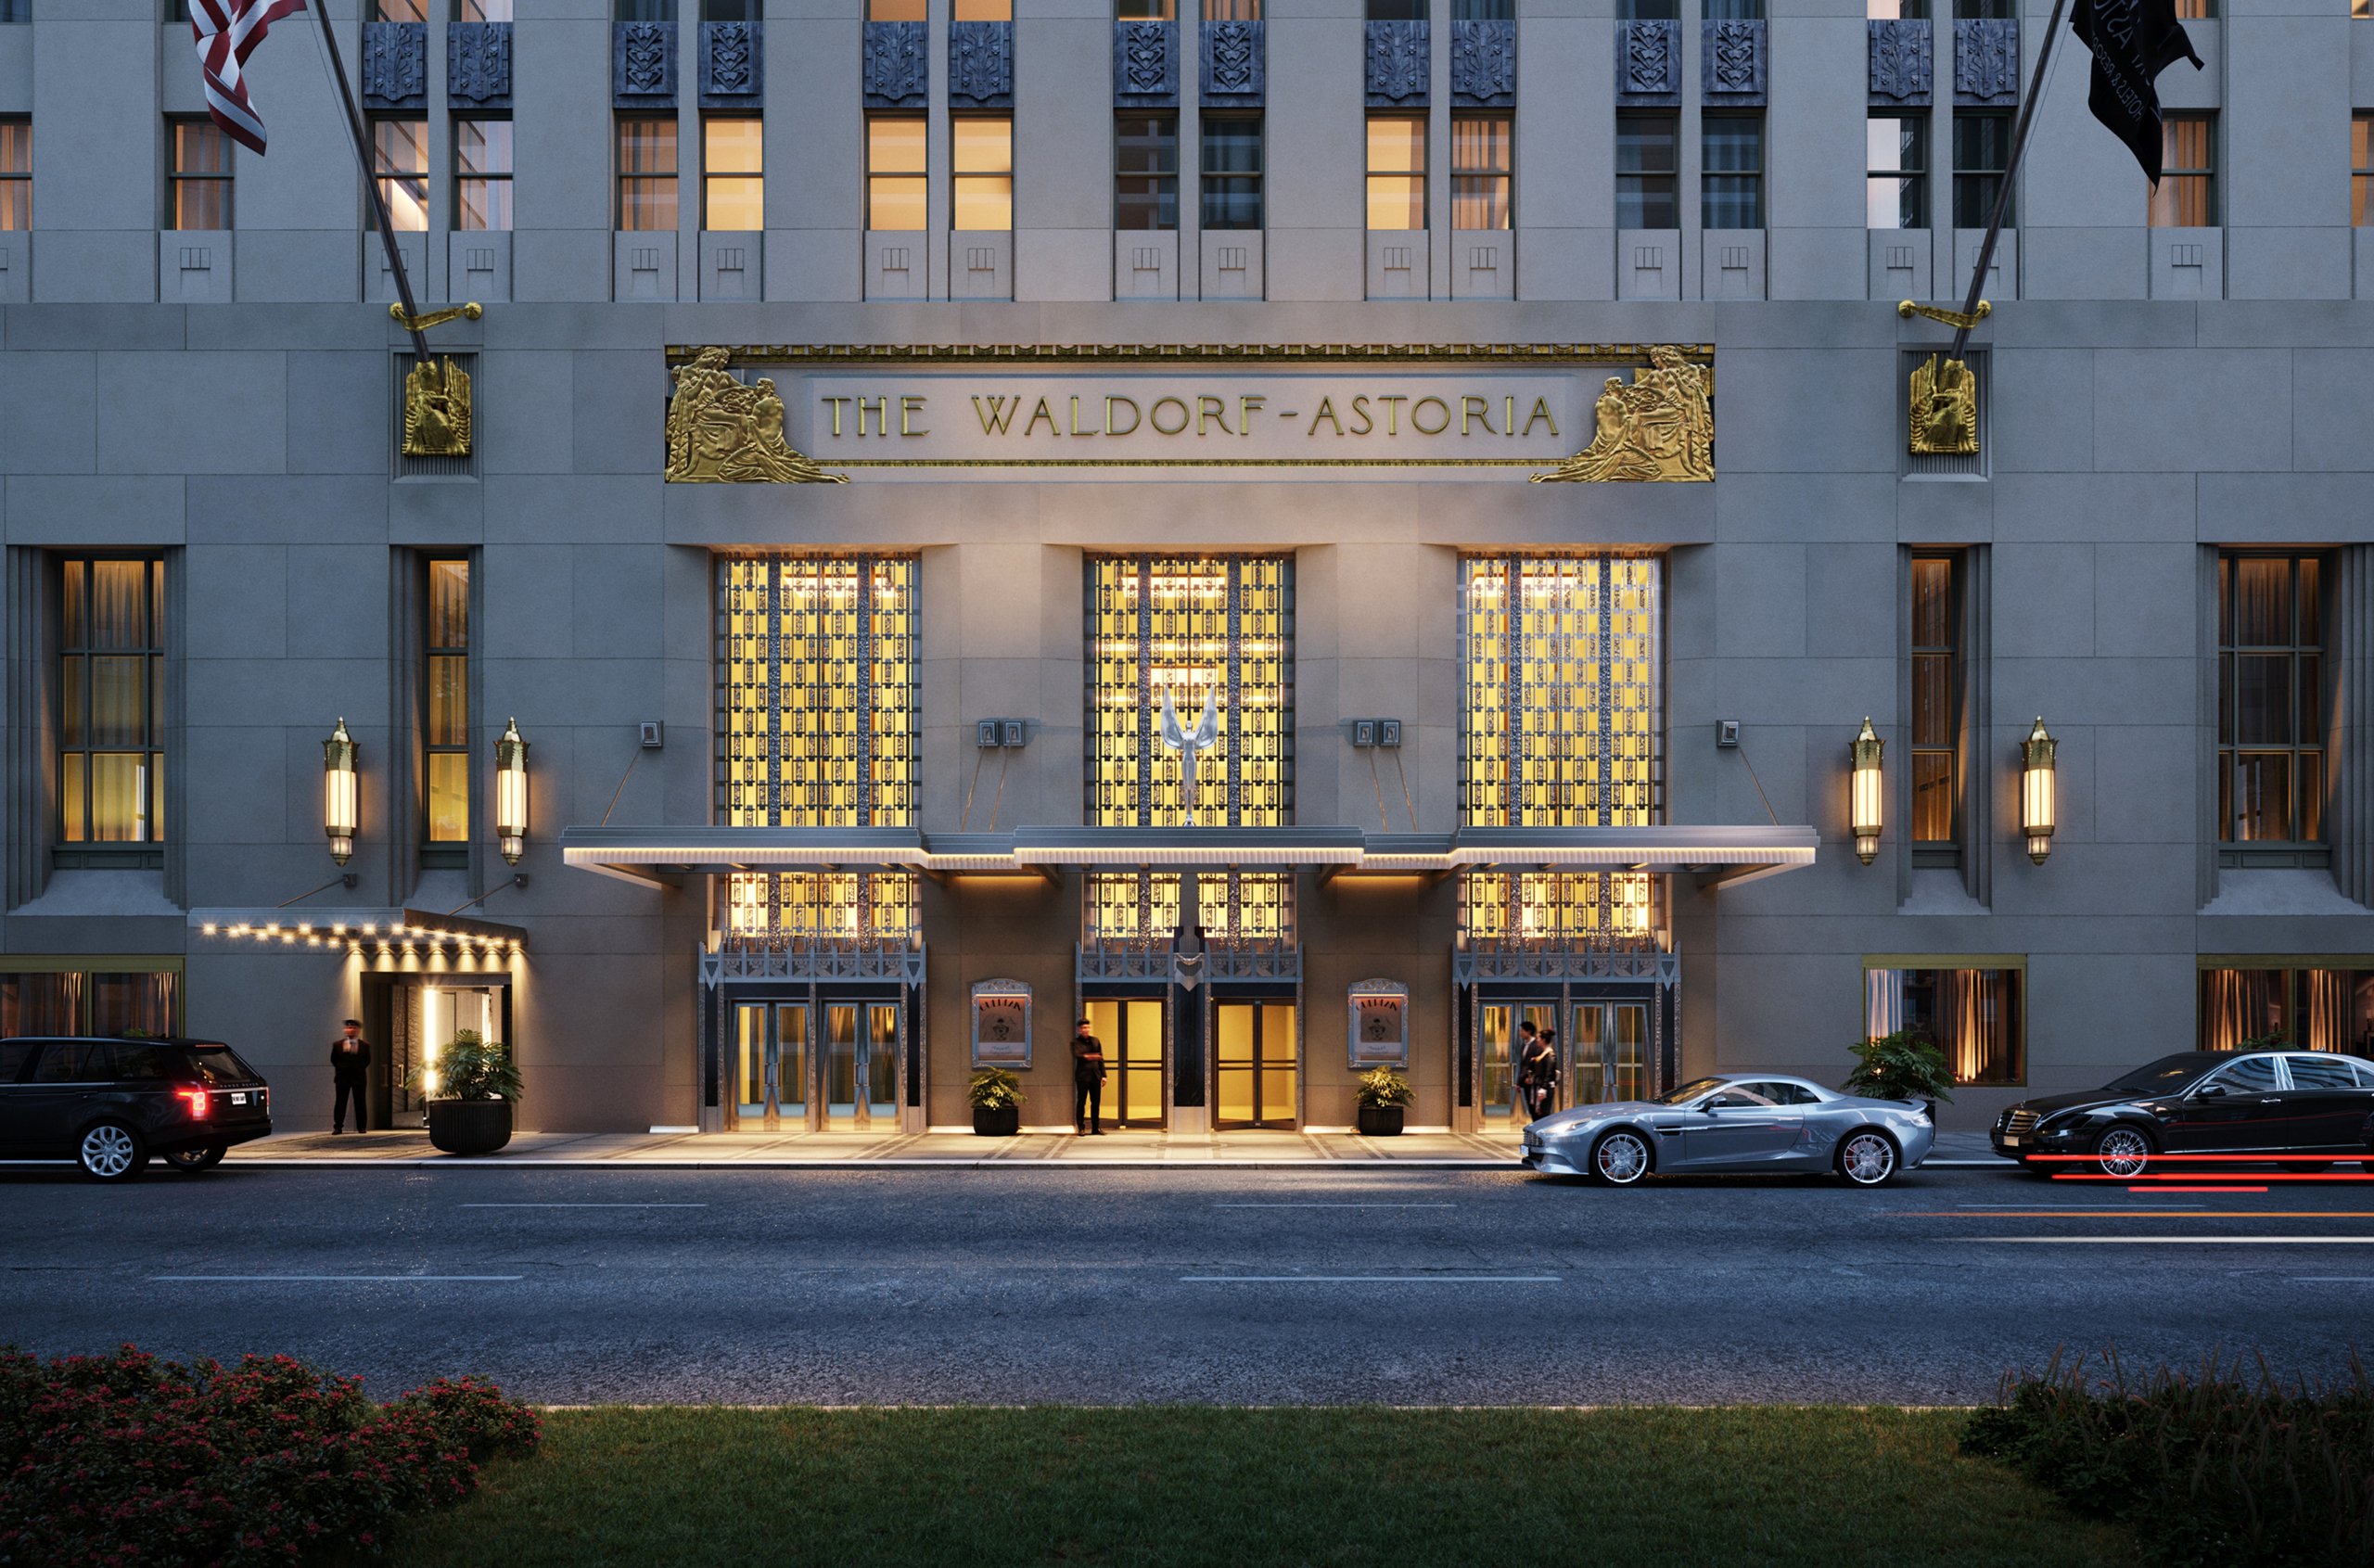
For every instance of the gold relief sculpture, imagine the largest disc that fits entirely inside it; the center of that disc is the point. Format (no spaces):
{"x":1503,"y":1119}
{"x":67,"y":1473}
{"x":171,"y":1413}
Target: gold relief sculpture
{"x":721,"y":432}
{"x":1944,"y":409}
{"x":437,"y":410}
{"x":1659,"y":428}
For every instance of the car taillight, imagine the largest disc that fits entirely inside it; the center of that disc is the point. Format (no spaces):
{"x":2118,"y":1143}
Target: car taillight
{"x":196,"y":1097}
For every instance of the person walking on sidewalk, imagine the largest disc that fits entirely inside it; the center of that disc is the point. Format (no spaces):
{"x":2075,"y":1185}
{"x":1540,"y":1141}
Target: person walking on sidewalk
{"x":1088,"y":1081}
{"x":351,"y":1068}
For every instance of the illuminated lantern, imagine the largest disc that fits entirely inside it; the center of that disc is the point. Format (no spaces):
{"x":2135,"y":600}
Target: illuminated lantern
{"x":2037,"y":802}
{"x":338,"y":793}
{"x":1865,"y":814}
{"x":511,"y":793}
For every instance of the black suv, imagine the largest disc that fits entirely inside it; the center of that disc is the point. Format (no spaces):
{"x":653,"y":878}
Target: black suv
{"x":107,"y":1104}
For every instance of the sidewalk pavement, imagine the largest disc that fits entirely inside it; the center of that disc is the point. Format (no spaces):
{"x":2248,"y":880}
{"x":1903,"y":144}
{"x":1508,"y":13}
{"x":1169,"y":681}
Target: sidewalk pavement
{"x":679,"y":1151}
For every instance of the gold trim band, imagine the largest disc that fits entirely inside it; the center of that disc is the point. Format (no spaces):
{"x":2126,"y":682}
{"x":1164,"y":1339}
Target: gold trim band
{"x":1193,"y":354}
{"x":1189,"y":462}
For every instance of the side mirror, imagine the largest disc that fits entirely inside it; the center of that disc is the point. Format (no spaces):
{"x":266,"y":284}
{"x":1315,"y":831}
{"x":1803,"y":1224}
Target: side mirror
{"x":2210,"y":1091}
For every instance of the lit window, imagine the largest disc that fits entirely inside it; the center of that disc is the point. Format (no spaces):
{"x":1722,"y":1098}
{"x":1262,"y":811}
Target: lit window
{"x":1976,"y":1017}
{"x":86,"y":1002}
{"x":983,"y":166}
{"x":111,"y":701}
{"x":1982,"y":153}
{"x":894,"y":10}
{"x":1480,"y":145}
{"x":646,"y":174}
{"x":733,"y":186}
{"x":894,"y":173}
{"x":1647,"y":172}
{"x":445,"y":708}
{"x":2270,"y":700}
{"x":2187,"y":195}
{"x":482,"y":173}
{"x":1232,"y":170}
{"x":2197,"y":10}
{"x":399,"y":164}
{"x":1937,"y":698}
{"x":984,"y":11}
{"x":1896,"y":164}
{"x":201,"y":177}
{"x":15,"y":175}
{"x":398,"y":11}
{"x":1396,"y":177}
{"x":481,"y":10}
{"x":1232,"y":10}
{"x":2245,"y":1005}
{"x":1731,"y":184}
{"x":2361,"y":169}
{"x":1145,"y":172}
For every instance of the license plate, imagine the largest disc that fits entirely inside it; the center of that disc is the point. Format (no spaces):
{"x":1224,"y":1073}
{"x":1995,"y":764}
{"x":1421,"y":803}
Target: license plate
{"x":2010,"y":1140}
{"x":238,"y":1100}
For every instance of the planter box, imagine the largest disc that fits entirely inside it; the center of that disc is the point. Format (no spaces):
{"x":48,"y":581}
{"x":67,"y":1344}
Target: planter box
{"x":997,"y":1124}
{"x":1382,"y":1121}
{"x":469,"y":1126}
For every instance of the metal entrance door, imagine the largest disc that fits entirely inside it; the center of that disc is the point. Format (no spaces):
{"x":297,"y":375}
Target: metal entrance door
{"x":1610,"y":1054}
{"x":1254,"y":1064}
{"x":861,"y":1065}
{"x":1134,"y":1063}
{"x":1500,"y":1036}
{"x":770,"y":1066}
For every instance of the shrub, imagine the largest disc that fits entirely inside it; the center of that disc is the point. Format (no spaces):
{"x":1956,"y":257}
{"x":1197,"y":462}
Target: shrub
{"x":2206,"y":1468}
{"x":994,"y":1089}
{"x":1900,"y":1066}
{"x":470,"y":1067}
{"x":126,"y":1460}
{"x":1382,"y":1086}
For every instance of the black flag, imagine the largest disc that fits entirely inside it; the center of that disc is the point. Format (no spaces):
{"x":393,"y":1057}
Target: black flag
{"x":2132,"y":42}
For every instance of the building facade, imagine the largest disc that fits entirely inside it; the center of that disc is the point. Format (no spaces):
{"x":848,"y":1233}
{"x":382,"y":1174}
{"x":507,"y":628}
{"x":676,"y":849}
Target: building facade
{"x":975,"y":516}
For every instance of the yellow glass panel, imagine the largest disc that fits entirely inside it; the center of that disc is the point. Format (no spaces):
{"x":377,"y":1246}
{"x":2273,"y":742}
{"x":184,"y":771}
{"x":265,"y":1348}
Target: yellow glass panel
{"x":448,"y":796}
{"x":894,"y":145}
{"x":984,"y":145}
{"x":732,"y":146}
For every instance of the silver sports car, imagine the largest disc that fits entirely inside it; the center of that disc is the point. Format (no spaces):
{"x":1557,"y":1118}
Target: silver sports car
{"x":1734,"y":1122}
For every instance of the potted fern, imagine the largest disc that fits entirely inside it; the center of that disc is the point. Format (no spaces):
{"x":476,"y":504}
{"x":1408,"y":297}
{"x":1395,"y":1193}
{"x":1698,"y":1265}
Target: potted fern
{"x":470,"y":1100}
{"x":1383,"y":1097}
{"x":996,"y":1096}
{"x":1902,"y":1066}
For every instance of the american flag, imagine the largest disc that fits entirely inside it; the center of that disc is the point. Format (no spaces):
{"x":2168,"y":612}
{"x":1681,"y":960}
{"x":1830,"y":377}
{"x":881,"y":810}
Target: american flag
{"x":227,"y":32}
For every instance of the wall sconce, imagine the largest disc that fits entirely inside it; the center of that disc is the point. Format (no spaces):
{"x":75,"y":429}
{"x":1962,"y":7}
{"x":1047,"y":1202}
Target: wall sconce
{"x":1865,"y":815}
{"x":2037,"y":799}
{"x":339,"y":792}
{"x":511,"y":793}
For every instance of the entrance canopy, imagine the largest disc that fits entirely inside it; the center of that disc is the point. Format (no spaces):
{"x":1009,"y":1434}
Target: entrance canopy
{"x":384,"y":937}
{"x":665,"y":855}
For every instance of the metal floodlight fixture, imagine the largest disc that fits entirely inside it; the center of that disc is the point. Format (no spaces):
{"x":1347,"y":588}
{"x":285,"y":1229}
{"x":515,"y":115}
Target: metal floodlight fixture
{"x":339,"y":793}
{"x":511,"y":793}
{"x":2038,"y":799}
{"x":1865,"y":812}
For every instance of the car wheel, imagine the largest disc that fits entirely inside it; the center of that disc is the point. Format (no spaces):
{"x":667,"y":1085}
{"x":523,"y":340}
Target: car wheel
{"x":1868,"y":1158}
{"x":1621,"y":1158}
{"x":2123,"y":1151}
{"x":110,"y":1152}
{"x":195,"y":1160}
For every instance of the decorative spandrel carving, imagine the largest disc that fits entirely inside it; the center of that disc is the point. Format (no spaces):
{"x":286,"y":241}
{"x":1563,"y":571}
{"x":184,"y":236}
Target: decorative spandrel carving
{"x":897,"y":64}
{"x":721,"y":432}
{"x":1146,"y":64}
{"x":730,"y":74}
{"x":1732,"y":61}
{"x":1235,"y":62}
{"x":1944,"y":409}
{"x":1648,"y":62}
{"x":478,"y":63}
{"x":1661,"y":426}
{"x":1987,"y":62}
{"x":1484,"y":64}
{"x":437,"y":410}
{"x":980,"y":64}
{"x":1399,"y":64}
{"x":1903,"y":56}
{"x":394,"y":67}
{"x":642,"y":64}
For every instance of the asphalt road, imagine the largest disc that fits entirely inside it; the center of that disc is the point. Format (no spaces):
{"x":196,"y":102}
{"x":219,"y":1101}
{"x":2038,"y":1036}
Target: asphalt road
{"x":1099,"y":1286}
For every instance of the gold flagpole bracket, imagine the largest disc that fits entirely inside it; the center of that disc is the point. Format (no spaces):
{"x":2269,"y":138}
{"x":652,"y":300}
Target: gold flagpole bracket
{"x":437,"y":392}
{"x":1959,"y":319}
{"x":470,"y":312}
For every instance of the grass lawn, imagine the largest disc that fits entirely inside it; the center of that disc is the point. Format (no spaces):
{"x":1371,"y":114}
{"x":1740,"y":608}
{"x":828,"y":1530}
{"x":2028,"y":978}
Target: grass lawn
{"x":1245,"y":1488}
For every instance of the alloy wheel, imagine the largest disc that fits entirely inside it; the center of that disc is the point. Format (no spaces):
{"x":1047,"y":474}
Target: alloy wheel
{"x":2123,"y":1152}
{"x":1621,"y":1158}
{"x":108,"y":1151}
{"x":1867,"y":1159}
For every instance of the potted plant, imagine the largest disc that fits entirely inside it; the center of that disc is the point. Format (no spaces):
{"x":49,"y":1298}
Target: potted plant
{"x":996,"y":1096}
{"x":469,"y":1108}
{"x":1901,"y":1066}
{"x":1383,"y":1097}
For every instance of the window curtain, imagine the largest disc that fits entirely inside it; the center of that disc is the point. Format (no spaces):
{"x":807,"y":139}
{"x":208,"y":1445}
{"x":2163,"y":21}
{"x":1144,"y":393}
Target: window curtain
{"x":1883,"y":1002}
{"x":1979,"y":1008}
{"x":2325,"y":999}
{"x":143,"y":1001}
{"x":2240,"y":1004}
{"x":41,"y":1004}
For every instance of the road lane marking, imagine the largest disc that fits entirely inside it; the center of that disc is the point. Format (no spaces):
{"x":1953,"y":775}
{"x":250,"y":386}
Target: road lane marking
{"x":2154,"y":1212}
{"x":2138,"y":1208}
{"x":335,"y":1279}
{"x":2196,"y":1188}
{"x":583,"y":1205}
{"x":2332,"y":1278}
{"x":1334,"y":1206}
{"x":2176,"y":1241}
{"x":1370,"y":1279}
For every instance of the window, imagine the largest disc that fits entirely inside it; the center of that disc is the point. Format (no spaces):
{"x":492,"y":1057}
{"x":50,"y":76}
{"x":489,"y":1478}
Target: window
{"x":1647,"y":172}
{"x":445,"y":712}
{"x":1647,"y":10}
{"x":1396,"y":10}
{"x":483,"y":11}
{"x":894,"y":10}
{"x":40,"y":996}
{"x":1732,"y":10}
{"x":1232,"y":171}
{"x":733,"y":186}
{"x":1936,"y":693}
{"x":1483,"y":10}
{"x":984,"y":11}
{"x":733,"y":11}
{"x":1984,"y":10}
{"x":1975,"y":1016}
{"x":1232,"y":10}
{"x":398,"y":11}
{"x":983,"y":166}
{"x":1396,"y":171}
{"x":894,"y":172}
{"x":2361,"y":168}
{"x":1896,"y":10}
{"x":1981,"y":152}
{"x":1145,"y":172}
{"x":1896,"y":181}
{"x":644,"y":10}
{"x":1480,"y":150}
{"x":111,"y":701}
{"x":482,"y":173}
{"x":399,"y":164}
{"x":646,"y":174}
{"x":2187,"y":195}
{"x":1730,"y":183}
{"x":16,"y":10}
{"x":2270,"y":699}
{"x":2200,"y":10}
{"x":15,"y":175}
{"x":1145,"y":10}
{"x":201,"y":175}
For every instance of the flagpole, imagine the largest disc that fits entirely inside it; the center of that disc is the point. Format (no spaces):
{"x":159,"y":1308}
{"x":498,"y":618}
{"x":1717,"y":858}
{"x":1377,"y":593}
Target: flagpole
{"x":371,"y":184}
{"x":2003,"y":196}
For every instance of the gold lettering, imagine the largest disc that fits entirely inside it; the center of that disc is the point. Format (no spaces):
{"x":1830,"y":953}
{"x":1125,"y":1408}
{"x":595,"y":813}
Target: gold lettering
{"x":1475,"y":408}
{"x":1155,"y":414}
{"x":1209,"y":409}
{"x":1441,"y":428}
{"x":1360,"y":412}
{"x":880,"y":408}
{"x":1393,"y":414}
{"x":1509,"y":417}
{"x":909,"y":406}
{"x":996,"y":417}
{"x":1326,"y":411}
{"x":1041,"y":412}
{"x":1076,"y":429}
{"x":835,"y":403}
{"x":1245,"y":406}
{"x":1541,"y":411}
{"x":1134,"y":415}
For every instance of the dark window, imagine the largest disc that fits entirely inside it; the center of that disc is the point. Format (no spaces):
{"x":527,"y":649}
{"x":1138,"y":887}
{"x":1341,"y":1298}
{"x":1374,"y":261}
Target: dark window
{"x":734,"y":10}
{"x":1895,"y":165}
{"x":1145,"y":10}
{"x":111,"y":701}
{"x":399,"y":164}
{"x":646,"y":174}
{"x":2252,"y":1075}
{"x":147,"y":1061}
{"x":1984,"y":10}
{"x":1145,"y":172}
{"x":445,"y":708}
{"x":1982,"y":153}
{"x":645,"y":10}
{"x":1398,"y":10}
{"x":1936,"y":707}
{"x":14,"y":1055}
{"x":16,"y":174}
{"x":201,"y":175}
{"x":66,"y":1061}
{"x":1232,"y":170}
{"x":1732,"y":10}
{"x":16,"y":10}
{"x":1483,"y":10}
{"x":2185,"y":197}
{"x":2320,"y":1071}
{"x":1649,"y":11}
{"x":1232,"y":10}
{"x":2270,"y":699}
{"x":1896,"y":10}
{"x":1732,"y":184}
{"x":1647,"y":172}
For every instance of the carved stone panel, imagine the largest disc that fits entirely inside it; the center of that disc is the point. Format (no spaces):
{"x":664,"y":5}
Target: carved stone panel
{"x":1235,"y":62}
{"x":1732,"y":62}
{"x":1400,"y":64}
{"x":478,"y":63}
{"x":1987,"y":62}
{"x":1484,"y":64}
{"x":1648,"y":62}
{"x":897,"y":64}
{"x":394,"y":67}
{"x":1903,"y":56}
{"x":730,"y":74}
{"x":980,"y":64}
{"x":642,"y":64}
{"x":1146,"y":64}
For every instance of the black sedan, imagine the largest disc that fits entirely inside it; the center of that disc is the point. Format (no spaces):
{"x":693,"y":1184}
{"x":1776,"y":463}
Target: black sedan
{"x":2266,"y":1102}
{"x":108,"y":1104}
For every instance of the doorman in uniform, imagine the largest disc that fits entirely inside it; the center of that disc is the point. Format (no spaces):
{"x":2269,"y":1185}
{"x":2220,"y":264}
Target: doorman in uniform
{"x":350,"y":1067}
{"x":1088,"y":1081}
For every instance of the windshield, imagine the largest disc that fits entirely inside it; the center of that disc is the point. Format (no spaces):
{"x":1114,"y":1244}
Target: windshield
{"x":1689,"y":1092}
{"x":219,"y":1065}
{"x":2163,"y":1076}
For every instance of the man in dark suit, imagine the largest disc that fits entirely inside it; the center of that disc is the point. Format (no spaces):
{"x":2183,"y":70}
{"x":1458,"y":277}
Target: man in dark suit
{"x":350,"y":1066}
